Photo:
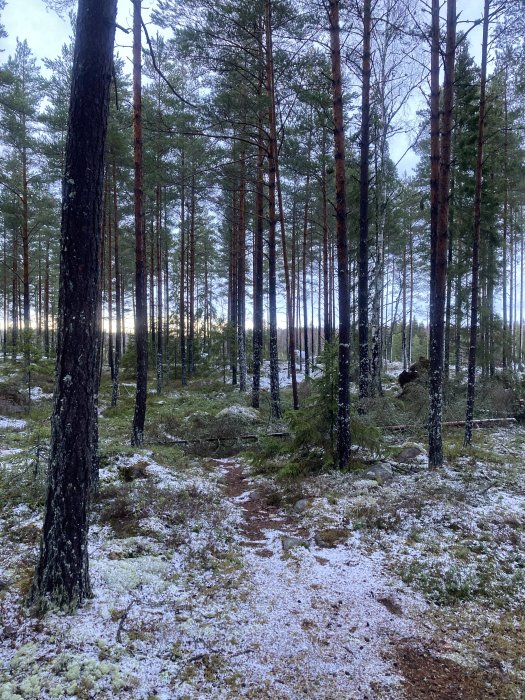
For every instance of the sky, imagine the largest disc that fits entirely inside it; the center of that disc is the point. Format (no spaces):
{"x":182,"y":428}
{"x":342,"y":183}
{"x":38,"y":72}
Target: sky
{"x":45,"y":32}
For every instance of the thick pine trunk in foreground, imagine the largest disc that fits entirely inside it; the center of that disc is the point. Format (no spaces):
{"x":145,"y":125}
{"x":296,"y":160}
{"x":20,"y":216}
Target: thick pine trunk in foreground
{"x":62,"y":574}
{"x":343,"y":412}
{"x":141,"y":321}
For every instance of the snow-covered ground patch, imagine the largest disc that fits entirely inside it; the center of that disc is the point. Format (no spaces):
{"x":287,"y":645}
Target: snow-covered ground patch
{"x":12,"y":423}
{"x":285,"y":378}
{"x":212,"y":582}
{"x":37,"y":393}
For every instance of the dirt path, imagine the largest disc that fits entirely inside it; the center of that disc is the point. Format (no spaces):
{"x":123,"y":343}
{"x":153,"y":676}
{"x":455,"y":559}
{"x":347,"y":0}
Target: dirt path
{"x":259,"y":517}
{"x":359,"y":636}
{"x":329,"y":619}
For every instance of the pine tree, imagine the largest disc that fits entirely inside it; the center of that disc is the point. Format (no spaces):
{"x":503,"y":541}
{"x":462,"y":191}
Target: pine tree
{"x":62,"y":573}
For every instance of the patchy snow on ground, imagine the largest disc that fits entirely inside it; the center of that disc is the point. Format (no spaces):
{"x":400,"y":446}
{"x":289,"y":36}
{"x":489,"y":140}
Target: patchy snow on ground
{"x":212,"y":582}
{"x":11,"y":451}
{"x":208,"y":618}
{"x":37,"y":393}
{"x":285,"y":378}
{"x":12,"y":423}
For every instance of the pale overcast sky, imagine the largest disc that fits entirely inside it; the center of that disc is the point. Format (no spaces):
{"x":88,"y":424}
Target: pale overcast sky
{"x":44,"y":30}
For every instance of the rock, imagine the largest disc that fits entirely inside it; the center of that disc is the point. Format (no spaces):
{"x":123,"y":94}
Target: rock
{"x":380,"y":473}
{"x":331,"y":537}
{"x":365,"y":485}
{"x":467,"y":661}
{"x":293,"y":542}
{"x":409,"y":453}
{"x":130,"y":472}
{"x":242,"y":413}
{"x":301,"y":505}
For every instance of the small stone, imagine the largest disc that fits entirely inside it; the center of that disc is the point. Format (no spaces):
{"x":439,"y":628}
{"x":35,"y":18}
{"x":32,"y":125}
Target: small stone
{"x":293,"y":542}
{"x":380,"y":473}
{"x":410,"y":453}
{"x":301,"y":505}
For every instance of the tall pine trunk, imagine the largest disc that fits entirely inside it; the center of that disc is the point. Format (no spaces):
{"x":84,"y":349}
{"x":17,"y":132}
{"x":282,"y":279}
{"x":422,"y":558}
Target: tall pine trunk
{"x":182,"y":268}
{"x":258,"y":252}
{"x":343,"y":406}
{"x":440,"y":179}
{"x":141,"y":321}
{"x":275,"y":400}
{"x":118,"y":293}
{"x":304,"y":292}
{"x":471,"y":376}
{"x":241,"y":275}
{"x":160,"y":286}
{"x":364,"y":363}
{"x":62,"y":572}
{"x":191,"y":281}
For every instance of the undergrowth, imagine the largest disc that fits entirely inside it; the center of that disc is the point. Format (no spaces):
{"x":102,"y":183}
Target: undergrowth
{"x":311,"y":446}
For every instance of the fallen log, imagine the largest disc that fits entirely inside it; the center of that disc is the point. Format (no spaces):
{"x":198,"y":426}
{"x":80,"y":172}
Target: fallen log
{"x":250,"y":438}
{"x":480,"y":423}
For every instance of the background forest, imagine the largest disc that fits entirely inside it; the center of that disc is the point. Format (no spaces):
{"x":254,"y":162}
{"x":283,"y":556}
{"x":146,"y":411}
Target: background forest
{"x":209,"y":116}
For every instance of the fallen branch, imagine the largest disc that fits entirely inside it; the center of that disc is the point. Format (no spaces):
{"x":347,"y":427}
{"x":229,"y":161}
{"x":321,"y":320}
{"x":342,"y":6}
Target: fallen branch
{"x":122,"y":621}
{"x":251,"y":438}
{"x":491,"y":485}
{"x":481,"y":423}
{"x":203,"y":654}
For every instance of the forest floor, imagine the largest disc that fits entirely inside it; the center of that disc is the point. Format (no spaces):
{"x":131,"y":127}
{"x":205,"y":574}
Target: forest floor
{"x":214,"y":581}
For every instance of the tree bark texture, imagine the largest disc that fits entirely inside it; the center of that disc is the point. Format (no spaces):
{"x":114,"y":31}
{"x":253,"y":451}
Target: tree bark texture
{"x":62,"y":573}
{"x":275,"y":401}
{"x":343,"y":413}
{"x":258,"y":267}
{"x":440,"y":179}
{"x":141,"y":313}
{"x":118,"y":335}
{"x":364,"y":362}
{"x":476,"y":236}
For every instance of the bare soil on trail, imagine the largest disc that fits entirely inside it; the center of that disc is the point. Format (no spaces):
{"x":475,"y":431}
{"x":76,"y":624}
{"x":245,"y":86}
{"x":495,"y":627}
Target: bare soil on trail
{"x":259,"y":516}
{"x":427,"y":677}
{"x":424,"y":674}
